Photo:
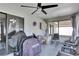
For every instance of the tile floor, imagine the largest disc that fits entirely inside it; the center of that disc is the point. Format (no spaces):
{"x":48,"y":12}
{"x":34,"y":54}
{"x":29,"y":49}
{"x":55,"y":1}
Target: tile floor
{"x":51,"y":49}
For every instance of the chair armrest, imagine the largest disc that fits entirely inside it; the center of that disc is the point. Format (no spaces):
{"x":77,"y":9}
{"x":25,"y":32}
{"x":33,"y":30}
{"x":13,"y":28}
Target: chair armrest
{"x":69,"y":44}
{"x":69,"y":47}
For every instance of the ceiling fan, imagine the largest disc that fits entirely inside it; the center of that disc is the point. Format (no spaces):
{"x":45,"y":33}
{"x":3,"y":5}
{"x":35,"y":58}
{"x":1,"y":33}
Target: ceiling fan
{"x":40,"y":6}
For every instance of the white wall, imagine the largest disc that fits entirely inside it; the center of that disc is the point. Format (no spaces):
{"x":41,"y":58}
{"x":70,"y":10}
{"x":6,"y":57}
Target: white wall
{"x":28,"y":20}
{"x":29,"y":28}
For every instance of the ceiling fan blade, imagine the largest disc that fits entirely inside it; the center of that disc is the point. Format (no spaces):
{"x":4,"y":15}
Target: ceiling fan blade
{"x":28,"y":6}
{"x":44,"y":11}
{"x":34,"y":11}
{"x":49,"y":6}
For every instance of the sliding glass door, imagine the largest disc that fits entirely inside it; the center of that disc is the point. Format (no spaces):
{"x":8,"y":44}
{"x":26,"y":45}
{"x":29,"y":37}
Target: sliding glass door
{"x":2,"y":33}
{"x":65,"y":30}
{"x":15,"y":24}
{"x":9,"y":25}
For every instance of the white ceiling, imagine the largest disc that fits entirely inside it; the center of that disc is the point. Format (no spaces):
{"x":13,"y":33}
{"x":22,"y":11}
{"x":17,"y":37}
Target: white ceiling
{"x":63,"y":9}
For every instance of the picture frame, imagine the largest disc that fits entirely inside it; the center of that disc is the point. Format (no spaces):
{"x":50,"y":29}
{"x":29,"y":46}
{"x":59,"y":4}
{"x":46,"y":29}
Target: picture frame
{"x":34,"y":23}
{"x":40,"y":25}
